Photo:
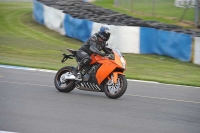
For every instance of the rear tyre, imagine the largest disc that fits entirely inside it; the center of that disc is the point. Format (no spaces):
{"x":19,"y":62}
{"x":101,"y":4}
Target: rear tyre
{"x":68,"y":85}
{"x":113,"y":90}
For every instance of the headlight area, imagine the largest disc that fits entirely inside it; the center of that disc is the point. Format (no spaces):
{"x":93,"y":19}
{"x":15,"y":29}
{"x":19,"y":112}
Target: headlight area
{"x":123,"y":62}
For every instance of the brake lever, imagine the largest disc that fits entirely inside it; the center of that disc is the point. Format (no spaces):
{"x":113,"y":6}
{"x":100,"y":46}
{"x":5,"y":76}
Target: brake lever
{"x":110,"y":56}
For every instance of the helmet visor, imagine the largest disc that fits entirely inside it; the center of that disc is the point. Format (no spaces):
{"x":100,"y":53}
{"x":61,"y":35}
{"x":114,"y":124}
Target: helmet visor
{"x":106,"y":36}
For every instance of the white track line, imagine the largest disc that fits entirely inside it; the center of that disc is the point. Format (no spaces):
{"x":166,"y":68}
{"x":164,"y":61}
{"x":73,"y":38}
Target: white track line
{"x":150,"y":97}
{"x":53,"y":71}
{"x":27,"y":68}
{"x":162,"y":98}
{"x":26,"y":84}
{"x":7,"y":132}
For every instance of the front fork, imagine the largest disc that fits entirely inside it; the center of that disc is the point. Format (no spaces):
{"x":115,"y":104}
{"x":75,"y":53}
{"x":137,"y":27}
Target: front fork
{"x":114,"y":77}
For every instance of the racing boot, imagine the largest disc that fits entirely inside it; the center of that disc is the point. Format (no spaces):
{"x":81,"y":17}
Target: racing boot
{"x":77,"y":74}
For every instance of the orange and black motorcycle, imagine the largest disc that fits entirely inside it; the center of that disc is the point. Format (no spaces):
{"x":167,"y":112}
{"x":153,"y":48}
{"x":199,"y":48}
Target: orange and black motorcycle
{"x":104,"y":74}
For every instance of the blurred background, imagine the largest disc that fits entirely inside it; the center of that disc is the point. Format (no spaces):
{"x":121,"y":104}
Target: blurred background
{"x":171,"y":8}
{"x":25,"y":42}
{"x":183,"y":10}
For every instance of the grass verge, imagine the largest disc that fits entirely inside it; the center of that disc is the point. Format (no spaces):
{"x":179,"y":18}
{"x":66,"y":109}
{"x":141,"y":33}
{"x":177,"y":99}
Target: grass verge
{"x":24,"y":42}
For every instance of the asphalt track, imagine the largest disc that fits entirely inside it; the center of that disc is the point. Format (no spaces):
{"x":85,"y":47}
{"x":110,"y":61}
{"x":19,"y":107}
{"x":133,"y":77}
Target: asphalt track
{"x":29,"y":103}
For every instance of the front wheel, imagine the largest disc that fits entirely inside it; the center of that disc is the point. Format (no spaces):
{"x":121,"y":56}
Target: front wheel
{"x":115,"y":90}
{"x":67,"y":85}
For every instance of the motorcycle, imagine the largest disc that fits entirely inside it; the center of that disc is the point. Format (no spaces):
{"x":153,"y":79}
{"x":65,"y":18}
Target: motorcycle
{"x":104,"y":74}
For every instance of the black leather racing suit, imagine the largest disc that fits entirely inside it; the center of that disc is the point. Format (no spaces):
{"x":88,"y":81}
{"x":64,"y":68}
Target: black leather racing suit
{"x":92,"y":45}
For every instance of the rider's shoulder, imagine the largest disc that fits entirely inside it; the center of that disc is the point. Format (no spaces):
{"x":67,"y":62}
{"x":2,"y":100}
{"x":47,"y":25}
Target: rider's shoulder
{"x":93,"y":37}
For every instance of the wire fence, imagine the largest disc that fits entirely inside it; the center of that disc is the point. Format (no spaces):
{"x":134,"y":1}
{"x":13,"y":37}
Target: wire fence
{"x":178,"y":9}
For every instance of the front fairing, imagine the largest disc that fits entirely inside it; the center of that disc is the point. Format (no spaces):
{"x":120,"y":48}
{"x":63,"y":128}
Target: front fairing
{"x":108,"y":65}
{"x":119,"y":59}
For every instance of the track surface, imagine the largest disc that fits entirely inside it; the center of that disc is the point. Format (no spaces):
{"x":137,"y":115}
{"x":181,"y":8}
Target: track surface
{"x":29,"y":103}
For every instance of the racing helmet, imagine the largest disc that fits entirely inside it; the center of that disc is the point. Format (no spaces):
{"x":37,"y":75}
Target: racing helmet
{"x":104,"y":33}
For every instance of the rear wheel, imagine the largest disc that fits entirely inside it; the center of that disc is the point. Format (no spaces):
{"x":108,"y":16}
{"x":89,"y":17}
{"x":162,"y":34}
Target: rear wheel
{"x":64,"y":86}
{"x":115,"y":90}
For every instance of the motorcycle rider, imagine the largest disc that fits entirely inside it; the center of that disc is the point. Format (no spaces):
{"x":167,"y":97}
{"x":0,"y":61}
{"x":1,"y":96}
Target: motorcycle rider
{"x":94,"y":44}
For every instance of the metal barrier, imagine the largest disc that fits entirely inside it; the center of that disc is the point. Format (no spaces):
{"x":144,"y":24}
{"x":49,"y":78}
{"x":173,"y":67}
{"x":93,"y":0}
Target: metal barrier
{"x":185,"y":3}
{"x":168,"y":8}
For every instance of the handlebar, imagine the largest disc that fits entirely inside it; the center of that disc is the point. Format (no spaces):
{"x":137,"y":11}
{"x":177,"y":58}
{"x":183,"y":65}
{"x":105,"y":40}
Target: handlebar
{"x":110,"y":56}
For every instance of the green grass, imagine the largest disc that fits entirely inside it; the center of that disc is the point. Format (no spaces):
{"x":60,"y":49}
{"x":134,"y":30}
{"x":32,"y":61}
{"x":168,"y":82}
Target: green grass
{"x":165,"y":11}
{"x":24,"y":42}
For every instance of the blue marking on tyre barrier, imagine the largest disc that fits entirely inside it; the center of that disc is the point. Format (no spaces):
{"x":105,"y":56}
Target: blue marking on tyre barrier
{"x":168,"y":43}
{"x":38,"y":12}
{"x":80,"y":29}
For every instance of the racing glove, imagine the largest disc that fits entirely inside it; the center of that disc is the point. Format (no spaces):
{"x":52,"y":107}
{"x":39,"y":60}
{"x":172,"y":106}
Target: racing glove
{"x":102,"y":54}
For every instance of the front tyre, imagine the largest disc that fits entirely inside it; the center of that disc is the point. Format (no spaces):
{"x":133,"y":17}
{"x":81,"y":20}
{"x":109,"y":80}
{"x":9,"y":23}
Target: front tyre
{"x":67,"y":85}
{"x":113,"y":90}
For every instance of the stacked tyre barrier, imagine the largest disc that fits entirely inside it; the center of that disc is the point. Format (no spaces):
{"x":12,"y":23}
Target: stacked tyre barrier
{"x":79,"y":20}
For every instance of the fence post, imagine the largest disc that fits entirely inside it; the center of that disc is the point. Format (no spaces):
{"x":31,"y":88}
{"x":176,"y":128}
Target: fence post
{"x":196,"y":21}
